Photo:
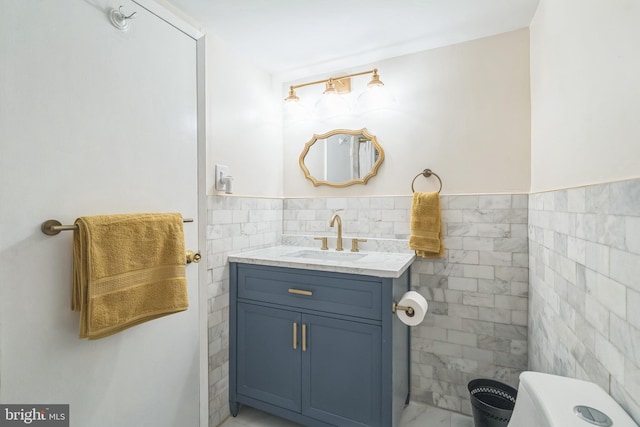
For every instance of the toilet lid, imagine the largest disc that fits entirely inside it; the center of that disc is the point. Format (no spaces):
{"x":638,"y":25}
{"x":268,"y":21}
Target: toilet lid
{"x":556,"y":397}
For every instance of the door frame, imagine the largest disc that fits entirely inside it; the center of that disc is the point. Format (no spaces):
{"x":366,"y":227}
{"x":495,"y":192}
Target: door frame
{"x":162,"y":11}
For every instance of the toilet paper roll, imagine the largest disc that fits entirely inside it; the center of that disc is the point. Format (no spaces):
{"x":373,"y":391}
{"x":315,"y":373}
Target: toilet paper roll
{"x":417,"y":303}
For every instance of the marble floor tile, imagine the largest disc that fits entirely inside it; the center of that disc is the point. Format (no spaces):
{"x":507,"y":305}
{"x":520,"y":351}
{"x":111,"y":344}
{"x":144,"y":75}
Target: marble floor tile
{"x":415,"y":415}
{"x":250,"y":417}
{"x":459,"y":420}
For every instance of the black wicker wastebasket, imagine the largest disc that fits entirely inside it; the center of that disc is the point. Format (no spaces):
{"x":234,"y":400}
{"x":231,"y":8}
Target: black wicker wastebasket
{"x":492,"y":402}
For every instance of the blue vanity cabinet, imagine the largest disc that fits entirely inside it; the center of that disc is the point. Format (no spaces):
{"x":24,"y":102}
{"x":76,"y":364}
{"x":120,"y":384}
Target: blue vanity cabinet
{"x":342,"y":371}
{"x":265,"y":338}
{"x":318,"y":348}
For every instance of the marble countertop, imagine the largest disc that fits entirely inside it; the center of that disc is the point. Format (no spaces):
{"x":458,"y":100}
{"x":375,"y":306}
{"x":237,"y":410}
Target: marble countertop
{"x":379,"y":264}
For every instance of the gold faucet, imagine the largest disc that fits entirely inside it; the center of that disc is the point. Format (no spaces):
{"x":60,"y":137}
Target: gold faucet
{"x":333,"y":219}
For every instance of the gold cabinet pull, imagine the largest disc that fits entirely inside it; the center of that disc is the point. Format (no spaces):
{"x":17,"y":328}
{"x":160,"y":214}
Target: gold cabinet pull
{"x":304,"y":337}
{"x":300,"y":292}
{"x":295,"y":335}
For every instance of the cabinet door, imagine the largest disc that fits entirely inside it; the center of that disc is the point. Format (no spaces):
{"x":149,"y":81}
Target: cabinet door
{"x":341,"y":372}
{"x":268,"y":367}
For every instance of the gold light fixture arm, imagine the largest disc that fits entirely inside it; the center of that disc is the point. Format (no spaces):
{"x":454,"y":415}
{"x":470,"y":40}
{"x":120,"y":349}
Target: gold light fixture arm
{"x":375,"y":81}
{"x":335,"y":79}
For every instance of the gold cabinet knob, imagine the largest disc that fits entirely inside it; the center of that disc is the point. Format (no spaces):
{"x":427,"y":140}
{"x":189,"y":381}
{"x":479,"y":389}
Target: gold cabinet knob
{"x":194,"y":257}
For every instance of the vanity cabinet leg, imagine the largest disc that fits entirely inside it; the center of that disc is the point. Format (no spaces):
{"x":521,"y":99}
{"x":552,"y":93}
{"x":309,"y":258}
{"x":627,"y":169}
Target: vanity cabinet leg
{"x":233,"y":408}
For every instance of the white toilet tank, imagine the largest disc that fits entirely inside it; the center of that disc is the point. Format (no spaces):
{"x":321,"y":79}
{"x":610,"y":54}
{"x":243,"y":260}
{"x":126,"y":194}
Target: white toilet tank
{"x":546,"y":400}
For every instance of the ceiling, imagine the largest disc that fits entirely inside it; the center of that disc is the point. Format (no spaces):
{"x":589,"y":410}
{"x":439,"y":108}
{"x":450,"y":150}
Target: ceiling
{"x":299,"y":38}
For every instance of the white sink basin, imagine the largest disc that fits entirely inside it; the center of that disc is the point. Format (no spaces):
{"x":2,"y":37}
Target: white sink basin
{"x":326,"y":255}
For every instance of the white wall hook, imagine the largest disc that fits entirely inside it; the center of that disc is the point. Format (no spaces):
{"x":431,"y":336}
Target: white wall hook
{"x":119,"y":19}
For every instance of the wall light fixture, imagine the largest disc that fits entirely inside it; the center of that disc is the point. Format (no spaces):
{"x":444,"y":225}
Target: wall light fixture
{"x":331,"y":103}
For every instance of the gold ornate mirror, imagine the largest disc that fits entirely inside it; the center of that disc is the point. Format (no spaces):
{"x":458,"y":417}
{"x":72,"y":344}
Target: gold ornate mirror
{"x":341,"y":157}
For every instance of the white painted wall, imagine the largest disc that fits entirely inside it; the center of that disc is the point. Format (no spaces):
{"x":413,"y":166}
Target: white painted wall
{"x":461,"y":110}
{"x":244,"y":128}
{"x":93,"y":121}
{"x":584,"y":92}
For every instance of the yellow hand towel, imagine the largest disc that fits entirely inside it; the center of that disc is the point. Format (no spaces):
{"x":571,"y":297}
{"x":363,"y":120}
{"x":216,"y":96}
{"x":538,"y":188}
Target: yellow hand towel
{"x":127,"y":269}
{"x":426,"y":225}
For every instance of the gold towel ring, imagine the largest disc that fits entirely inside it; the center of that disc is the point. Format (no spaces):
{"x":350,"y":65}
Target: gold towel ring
{"x":426,"y":173}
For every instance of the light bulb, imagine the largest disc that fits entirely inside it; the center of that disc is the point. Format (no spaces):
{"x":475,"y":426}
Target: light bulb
{"x":330,"y":105}
{"x":296,"y":111}
{"x":374,"y":98}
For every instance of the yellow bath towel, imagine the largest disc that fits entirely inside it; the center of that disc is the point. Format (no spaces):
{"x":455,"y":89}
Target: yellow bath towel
{"x":127,"y":269}
{"x":426,"y":225}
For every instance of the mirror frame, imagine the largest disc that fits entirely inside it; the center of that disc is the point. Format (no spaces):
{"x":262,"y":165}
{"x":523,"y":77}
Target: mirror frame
{"x":362,"y":180}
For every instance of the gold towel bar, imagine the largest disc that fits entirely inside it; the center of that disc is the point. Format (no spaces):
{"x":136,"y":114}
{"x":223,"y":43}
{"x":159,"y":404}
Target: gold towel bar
{"x":51,"y":227}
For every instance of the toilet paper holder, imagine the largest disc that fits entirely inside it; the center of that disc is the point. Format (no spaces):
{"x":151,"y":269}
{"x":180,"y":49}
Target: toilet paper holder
{"x":395,"y":307}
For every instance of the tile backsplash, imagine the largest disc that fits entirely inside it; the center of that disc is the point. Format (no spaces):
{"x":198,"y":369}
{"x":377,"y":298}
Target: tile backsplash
{"x":374,"y":217}
{"x":585,"y":287}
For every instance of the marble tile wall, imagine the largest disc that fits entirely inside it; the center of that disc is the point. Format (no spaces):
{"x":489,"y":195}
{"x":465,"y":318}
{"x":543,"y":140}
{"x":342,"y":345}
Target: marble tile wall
{"x":583,"y":246}
{"x":585,"y":286}
{"x":235,"y":224}
{"x":376,"y":217}
{"x":477,"y":321}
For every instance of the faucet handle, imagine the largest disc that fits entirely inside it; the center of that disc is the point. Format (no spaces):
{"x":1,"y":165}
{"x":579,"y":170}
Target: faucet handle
{"x":325,"y":246}
{"x":354,"y":244}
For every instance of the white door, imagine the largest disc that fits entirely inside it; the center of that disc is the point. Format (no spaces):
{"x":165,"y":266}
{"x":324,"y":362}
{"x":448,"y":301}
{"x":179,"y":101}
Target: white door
{"x":93,"y":121}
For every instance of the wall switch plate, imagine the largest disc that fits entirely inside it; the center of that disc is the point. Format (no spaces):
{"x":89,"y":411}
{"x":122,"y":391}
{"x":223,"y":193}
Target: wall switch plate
{"x":221,"y":172}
